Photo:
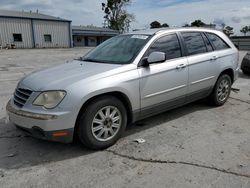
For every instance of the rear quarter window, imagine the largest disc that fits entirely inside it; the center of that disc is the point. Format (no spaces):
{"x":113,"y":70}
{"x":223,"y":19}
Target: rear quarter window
{"x":217,"y":42}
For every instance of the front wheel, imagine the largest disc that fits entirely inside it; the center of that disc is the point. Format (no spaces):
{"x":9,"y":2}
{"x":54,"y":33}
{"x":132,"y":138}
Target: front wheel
{"x":221,"y":90}
{"x":102,"y":123}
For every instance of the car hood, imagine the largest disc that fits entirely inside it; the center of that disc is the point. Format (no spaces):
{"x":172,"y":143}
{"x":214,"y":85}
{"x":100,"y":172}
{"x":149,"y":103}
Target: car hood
{"x":59,"y":77}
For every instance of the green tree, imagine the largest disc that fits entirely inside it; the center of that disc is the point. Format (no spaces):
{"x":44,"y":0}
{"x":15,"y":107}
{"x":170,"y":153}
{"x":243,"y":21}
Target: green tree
{"x":197,"y":23}
{"x":165,"y":25}
{"x":228,"y":30}
{"x":245,"y":30}
{"x":116,"y":16}
{"x":155,"y":24}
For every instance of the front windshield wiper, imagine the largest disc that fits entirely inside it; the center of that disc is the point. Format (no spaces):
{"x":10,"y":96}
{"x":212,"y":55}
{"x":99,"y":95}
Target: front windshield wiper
{"x":89,"y":60}
{"x":98,"y":61}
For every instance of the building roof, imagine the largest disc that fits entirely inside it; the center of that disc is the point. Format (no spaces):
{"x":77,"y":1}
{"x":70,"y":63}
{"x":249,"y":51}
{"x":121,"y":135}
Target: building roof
{"x":88,"y":30}
{"x":29,"y":15}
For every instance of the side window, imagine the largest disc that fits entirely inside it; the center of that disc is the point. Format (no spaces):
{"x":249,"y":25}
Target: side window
{"x":194,"y":43}
{"x":47,"y":38}
{"x":208,"y":44}
{"x":168,"y":44}
{"x":17,"y":37}
{"x":218,"y":43}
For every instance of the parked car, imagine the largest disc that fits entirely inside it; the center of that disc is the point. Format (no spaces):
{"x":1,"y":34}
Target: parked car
{"x":127,"y":78}
{"x":245,"y":65}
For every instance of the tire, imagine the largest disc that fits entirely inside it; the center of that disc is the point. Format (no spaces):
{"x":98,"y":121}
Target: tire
{"x":221,"y":91}
{"x":245,"y":72}
{"x":102,"y":123}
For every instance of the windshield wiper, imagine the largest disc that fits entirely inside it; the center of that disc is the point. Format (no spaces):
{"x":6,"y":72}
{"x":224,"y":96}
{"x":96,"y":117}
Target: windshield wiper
{"x":90,"y":60}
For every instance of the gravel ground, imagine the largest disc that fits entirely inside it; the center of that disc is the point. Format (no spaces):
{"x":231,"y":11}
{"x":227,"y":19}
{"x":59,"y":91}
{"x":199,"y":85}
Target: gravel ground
{"x":192,"y":146}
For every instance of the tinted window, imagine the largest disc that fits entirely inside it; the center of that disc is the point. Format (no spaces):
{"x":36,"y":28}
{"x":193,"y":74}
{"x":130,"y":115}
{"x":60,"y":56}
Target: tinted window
{"x":17,"y":37}
{"x":47,"y":38}
{"x":168,"y":44}
{"x":218,"y":43}
{"x":194,"y":43}
{"x":208,"y":44}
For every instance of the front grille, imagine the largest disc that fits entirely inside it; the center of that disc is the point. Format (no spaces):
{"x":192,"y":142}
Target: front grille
{"x":21,"y":96}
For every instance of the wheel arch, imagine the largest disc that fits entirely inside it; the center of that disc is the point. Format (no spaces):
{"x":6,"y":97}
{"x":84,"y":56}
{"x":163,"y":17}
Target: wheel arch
{"x":119,"y":95}
{"x":229,"y":72}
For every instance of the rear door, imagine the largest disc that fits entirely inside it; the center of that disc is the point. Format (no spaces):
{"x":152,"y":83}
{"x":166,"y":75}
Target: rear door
{"x":202,"y":64}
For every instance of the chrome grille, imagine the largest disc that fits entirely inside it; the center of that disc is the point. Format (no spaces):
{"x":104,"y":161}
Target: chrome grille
{"x":21,"y":96}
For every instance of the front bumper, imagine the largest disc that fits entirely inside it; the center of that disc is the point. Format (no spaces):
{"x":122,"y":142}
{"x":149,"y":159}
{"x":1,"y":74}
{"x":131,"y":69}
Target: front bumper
{"x":43,"y":126}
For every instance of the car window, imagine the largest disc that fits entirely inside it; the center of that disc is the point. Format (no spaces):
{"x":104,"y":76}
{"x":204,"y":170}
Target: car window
{"x":194,"y":43}
{"x":207,"y":42}
{"x":218,"y":43}
{"x":121,"y":49}
{"x":168,"y":44}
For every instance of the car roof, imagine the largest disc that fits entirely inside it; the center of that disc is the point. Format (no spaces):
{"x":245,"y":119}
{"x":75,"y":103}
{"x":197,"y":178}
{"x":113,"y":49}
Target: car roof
{"x":161,"y":30}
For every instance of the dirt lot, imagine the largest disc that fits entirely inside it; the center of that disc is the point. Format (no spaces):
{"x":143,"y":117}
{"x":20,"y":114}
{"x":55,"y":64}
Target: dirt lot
{"x":193,"y":146}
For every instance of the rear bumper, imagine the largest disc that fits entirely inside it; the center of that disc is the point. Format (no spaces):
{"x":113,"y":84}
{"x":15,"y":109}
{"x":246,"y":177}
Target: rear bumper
{"x":43,"y":126}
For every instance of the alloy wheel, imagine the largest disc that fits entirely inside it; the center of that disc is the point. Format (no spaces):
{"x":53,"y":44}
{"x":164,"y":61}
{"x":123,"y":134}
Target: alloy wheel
{"x":106,"y":123}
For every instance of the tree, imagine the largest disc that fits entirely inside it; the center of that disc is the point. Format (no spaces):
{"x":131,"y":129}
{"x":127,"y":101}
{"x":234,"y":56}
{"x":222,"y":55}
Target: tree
{"x":223,"y":25}
{"x":165,"y":25}
{"x":186,"y":25}
{"x":155,"y":24}
{"x":116,"y":16}
{"x":197,"y":23}
{"x":245,"y":30}
{"x":228,"y":30}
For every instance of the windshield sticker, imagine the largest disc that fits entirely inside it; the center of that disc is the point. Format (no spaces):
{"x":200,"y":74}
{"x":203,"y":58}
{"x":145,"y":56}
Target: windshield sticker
{"x":143,"y":37}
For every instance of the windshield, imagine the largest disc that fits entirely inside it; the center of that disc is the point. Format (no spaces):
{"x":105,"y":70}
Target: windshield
{"x":121,"y":49}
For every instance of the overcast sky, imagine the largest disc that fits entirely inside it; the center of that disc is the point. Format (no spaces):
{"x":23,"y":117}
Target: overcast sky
{"x":235,"y":13}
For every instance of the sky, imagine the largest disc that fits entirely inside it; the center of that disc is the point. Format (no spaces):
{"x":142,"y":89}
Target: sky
{"x":235,"y":13}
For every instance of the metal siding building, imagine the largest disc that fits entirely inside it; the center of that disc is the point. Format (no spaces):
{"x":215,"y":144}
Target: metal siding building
{"x":243,"y":42}
{"x":34,"y":30}
{"x":59,"y":32}
{"x":9,"y":26}
{"x":91,"y":36}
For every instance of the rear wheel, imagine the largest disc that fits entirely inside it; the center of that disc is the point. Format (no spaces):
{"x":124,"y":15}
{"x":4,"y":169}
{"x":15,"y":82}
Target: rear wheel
{"x":102,"y":123}
{"x":221,"y":90}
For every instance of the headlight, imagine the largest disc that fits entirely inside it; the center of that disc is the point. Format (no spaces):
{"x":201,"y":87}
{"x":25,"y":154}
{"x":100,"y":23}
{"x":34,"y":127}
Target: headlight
{"x":49,"y":99}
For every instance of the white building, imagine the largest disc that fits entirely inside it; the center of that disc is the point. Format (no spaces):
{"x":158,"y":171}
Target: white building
{"x":33,"y":30}
{"x":91,"y":36}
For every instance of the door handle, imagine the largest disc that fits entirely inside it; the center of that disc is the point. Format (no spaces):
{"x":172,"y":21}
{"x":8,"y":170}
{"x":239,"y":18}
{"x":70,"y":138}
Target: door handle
{"x":181,"y":66}
{"x":213,"y":58}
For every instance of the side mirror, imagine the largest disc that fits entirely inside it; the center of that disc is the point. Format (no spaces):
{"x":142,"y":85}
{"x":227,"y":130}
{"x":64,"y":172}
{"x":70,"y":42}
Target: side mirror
{"x":144,"y":62}
{"x":156,"y":57}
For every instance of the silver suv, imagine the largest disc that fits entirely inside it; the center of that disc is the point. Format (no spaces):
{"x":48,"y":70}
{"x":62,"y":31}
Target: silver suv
{"x":125,"y":79}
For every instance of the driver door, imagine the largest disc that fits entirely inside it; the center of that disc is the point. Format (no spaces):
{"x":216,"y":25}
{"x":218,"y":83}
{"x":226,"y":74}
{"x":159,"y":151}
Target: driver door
{"x":164,"y":85}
